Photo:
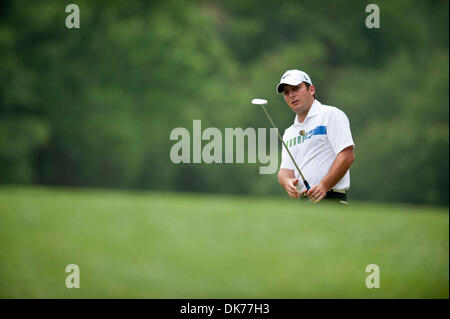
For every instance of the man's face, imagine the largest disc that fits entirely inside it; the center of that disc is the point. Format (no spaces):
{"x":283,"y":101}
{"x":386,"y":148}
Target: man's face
{"x":299,"y":98}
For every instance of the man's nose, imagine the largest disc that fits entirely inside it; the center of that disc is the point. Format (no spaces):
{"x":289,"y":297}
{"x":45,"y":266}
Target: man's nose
{"x":291,"y":94}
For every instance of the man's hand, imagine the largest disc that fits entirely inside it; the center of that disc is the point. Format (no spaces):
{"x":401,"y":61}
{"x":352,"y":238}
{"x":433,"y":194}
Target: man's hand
{"x":316,"y":193}
{"x":290,"y":188}
{"x":288,"y":181}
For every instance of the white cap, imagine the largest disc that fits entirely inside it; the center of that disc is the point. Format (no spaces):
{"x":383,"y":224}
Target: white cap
{"x":293,"y":77}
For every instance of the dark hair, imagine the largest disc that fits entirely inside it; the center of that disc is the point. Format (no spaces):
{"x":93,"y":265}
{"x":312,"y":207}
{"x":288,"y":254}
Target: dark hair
{"x":307,"y":88}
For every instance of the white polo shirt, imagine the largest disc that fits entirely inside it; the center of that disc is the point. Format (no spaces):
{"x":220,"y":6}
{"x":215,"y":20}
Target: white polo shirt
{"x":327,"y":132}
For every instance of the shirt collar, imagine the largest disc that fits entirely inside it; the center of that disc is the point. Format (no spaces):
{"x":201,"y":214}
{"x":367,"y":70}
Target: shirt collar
{"x":314,"y":110}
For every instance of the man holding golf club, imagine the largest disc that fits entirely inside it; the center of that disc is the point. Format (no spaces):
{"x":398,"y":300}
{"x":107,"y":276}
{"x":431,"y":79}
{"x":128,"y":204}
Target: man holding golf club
{"x":318,"y":145}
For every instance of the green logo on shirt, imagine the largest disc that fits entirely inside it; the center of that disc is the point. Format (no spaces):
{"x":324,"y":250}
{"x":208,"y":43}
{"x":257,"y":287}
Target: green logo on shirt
{"x":319,"y":130}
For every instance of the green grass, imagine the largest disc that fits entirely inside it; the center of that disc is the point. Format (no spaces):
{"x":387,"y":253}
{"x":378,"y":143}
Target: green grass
{"x":156,"y":245}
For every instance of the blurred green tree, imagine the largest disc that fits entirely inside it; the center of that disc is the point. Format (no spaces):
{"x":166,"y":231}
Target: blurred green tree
{"x":95,"y":106}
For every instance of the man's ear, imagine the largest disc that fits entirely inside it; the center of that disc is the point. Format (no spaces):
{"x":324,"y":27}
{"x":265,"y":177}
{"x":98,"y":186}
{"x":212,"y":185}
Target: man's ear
{"x":312,"y":89}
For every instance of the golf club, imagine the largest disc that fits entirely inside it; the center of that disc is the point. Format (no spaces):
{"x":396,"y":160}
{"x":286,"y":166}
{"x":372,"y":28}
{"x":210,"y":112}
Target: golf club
{"x":261,"y":102}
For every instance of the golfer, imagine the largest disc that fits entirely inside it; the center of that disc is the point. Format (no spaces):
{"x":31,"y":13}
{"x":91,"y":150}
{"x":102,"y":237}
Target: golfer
{"x":320,"y":142}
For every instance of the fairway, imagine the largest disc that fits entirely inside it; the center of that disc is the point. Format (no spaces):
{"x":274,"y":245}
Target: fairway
{"x":168,"y":245}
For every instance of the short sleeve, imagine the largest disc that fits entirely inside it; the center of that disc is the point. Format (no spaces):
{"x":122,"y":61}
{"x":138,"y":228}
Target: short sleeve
{"x":338,"y":131}
{"x":286,"y":161}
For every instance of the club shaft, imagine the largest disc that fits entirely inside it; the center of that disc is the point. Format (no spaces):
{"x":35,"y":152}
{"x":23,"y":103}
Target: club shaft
{"x":285,"y":146}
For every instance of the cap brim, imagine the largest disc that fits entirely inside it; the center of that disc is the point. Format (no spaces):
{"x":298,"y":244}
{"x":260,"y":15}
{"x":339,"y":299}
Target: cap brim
{"x":282,"y":84}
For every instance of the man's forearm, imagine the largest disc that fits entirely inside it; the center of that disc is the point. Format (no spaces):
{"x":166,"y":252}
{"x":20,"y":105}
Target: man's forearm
{"x":339,"y":167}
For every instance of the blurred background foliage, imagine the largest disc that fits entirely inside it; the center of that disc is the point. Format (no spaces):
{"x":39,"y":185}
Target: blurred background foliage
{"x":95,"y":106}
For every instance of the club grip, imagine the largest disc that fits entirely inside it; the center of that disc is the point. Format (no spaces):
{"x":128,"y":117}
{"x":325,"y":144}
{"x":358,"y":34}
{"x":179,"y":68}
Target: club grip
{"x":306,"y":185}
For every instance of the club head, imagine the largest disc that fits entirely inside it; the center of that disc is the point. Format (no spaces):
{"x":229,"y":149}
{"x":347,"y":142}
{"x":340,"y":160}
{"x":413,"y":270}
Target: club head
{"x":259,"y":101}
